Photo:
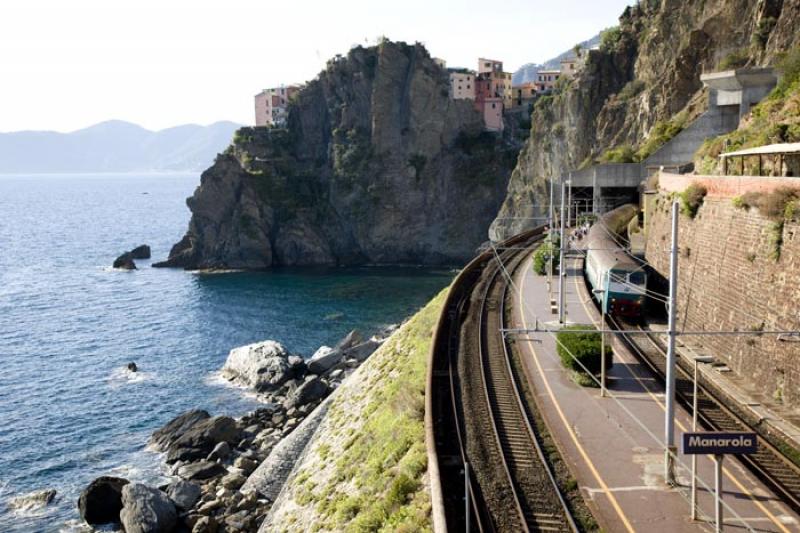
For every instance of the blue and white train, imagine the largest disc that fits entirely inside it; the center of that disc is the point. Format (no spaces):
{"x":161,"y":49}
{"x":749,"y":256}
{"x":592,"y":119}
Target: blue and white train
{"x":618,"y":281}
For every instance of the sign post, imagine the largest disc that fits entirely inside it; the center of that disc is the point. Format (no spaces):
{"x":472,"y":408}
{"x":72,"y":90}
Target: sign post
{"x":719,"y":444}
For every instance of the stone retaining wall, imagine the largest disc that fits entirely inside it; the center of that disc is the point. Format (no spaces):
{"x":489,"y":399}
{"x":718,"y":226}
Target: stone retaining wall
{"x":729,"y":279}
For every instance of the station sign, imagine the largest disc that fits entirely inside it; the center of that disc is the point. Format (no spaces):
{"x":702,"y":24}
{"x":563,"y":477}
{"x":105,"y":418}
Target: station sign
{"x":719,"y":442}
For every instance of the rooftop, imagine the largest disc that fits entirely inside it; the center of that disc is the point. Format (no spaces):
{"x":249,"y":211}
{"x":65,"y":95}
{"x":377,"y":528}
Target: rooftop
{"x":769,"y":149}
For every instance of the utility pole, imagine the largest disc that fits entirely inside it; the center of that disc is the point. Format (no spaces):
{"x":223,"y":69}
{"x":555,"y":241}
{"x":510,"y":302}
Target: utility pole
{"x":569,"y":201}
{"x":669,"y":421}
{"x":551,"y":233}
{"x":561,"y":269}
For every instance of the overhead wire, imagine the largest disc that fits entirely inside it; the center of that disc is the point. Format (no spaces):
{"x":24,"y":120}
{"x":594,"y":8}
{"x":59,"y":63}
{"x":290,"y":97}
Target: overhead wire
{"x":636,"y":419}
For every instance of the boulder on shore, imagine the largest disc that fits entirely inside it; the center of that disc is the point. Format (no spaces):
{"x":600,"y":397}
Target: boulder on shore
{"x":312,"y":390}
{"x":32,"y":500}
{"x":326,"y":358}
{"x":200,"y":439}
{"x":184,"y":494}
{"x":146,"y":510}
{"x":360,"y":352}
{"x":175,"y":428}
{"x":125,"y":262}
{"x":140,"y":252}
{"x":200,"y":470}
{"x":101,"y":501}
{"x":263,"y":366}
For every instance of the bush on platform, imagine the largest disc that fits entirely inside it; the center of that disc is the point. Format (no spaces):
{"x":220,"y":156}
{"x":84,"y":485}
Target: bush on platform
{"x":578,"y":348}
{"x":541,"y":257}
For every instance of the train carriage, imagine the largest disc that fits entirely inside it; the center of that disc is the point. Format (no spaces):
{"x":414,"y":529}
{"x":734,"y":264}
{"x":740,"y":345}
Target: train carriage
{"x":618,"y":281}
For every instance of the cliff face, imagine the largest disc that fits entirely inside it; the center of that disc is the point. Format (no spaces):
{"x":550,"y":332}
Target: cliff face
{"x":640,"y":88}
{"x":377,"y":165}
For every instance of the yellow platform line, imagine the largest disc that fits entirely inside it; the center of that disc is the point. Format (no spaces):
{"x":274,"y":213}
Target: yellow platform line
{"x":663,"y":407}
{"x":560,"y":412}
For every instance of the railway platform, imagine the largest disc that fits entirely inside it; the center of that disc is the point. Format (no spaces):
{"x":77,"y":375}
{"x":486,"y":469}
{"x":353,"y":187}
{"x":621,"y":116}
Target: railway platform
{"x":613,"y":444}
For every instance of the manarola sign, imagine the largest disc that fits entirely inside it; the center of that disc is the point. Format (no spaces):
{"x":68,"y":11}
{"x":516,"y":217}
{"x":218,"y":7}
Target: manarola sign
{"x":719,"y":443}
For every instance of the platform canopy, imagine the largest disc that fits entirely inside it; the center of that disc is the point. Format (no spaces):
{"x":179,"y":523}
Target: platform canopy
{"x":769,"y":149}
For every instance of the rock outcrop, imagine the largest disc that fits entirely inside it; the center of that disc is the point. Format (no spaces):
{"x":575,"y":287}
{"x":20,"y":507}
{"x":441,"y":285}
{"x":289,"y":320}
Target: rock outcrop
{"x":101,"y":502}
{"x":124,"y":262}
{"x":33,"y":500}
{"x":377,"y":165}
{"x":641,"y":87}
{"x":141,"y":252}
{"x":175,"y":428}
{"x":146,"y":510}
{"x":263,"y":366}
{"x":200,"y":439}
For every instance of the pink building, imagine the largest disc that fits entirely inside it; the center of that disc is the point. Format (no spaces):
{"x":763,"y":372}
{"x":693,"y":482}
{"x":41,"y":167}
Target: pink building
{"x":493,"y":114}
{"x":271,"y":105}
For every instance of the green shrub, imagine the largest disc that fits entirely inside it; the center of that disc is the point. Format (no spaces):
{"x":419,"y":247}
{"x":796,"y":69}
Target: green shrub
{"x":610,"y":37}
{"x":542,"y":255}
{"x":777,"y":205}
{"x":789,"y":67}
{"x":692,"y":199}
{"x":736,"y":59}
{"x":579,"y":349}
{"x":631,"y":89}
{"x":662,"y":133}
{"x":621,"y":154}
{"x":739,"y":202}
{"x":764,"y":28}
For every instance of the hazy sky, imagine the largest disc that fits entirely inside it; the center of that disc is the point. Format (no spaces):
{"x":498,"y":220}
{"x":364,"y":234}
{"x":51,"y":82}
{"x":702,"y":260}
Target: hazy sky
{"x":66,"y":64}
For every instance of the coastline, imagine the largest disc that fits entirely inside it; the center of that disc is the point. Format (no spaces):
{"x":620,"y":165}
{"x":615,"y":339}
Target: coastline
{"x":234,"y":468}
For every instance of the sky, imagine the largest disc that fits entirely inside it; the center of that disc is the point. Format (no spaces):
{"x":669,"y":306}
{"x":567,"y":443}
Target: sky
{"x":67,"y":64}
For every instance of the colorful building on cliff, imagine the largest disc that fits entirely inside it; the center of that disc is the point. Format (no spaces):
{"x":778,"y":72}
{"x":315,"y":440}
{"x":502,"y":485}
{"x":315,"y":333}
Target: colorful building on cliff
{"x":523,"y":94}
{"x":546,"y":80}
{"x":493,"y":92}
{"x":462,"y":85}
{"x":271,"y":105}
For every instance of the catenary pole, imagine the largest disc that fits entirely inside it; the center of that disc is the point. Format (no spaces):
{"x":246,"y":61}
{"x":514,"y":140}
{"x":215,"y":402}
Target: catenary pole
{"x":669,"y":420}
{"x":561,"y":268}
{"x":569,"y":201}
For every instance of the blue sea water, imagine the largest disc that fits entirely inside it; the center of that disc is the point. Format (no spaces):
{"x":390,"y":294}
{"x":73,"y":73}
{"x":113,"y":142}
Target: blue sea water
{"x":69,"y":412}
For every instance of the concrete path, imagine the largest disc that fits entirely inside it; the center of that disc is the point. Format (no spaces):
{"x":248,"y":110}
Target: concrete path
{"x":613,"y":445}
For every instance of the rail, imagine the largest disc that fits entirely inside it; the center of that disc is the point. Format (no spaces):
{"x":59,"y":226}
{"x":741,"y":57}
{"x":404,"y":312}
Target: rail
{"x":538,"y":502}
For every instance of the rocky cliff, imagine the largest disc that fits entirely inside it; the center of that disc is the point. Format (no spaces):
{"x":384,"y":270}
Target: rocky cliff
{"x":641,"y":88}
{"x":377,"y":165}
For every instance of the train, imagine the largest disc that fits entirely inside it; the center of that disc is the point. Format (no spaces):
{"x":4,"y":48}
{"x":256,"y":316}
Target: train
{"x":618,"y":281}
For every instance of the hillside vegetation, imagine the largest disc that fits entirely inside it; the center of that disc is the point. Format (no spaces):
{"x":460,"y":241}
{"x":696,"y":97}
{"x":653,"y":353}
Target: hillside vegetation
{"x":640,"y":89}
{"x":365,"y":470}
{"x":775,"y":120}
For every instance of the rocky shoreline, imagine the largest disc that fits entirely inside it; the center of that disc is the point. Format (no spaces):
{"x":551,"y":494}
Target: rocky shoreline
{"x":228,"y":471}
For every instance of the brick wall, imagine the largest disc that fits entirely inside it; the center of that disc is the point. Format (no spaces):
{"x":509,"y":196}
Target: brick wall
{"x":729,"y":280}
{"x":725,"y":186}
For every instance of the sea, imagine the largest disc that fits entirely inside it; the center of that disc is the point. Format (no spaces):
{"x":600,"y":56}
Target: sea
{"x":69,"y":325}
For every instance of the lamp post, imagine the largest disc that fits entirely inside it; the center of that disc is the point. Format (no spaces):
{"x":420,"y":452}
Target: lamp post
{"x":697,"y":359}
{"x":669,"y":414}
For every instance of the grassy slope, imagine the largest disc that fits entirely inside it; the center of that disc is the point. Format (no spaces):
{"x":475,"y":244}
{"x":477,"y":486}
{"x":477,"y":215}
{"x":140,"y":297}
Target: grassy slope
{"x":366,"y":470}
{"x":775,"y":120}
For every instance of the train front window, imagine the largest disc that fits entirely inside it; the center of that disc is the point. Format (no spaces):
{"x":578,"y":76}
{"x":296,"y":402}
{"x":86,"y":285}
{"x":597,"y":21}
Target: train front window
{"x":637,"y":278}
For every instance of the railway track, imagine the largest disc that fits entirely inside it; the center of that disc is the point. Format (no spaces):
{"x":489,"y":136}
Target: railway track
{"x":479,"y":416}
{"x":769,"y":464}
